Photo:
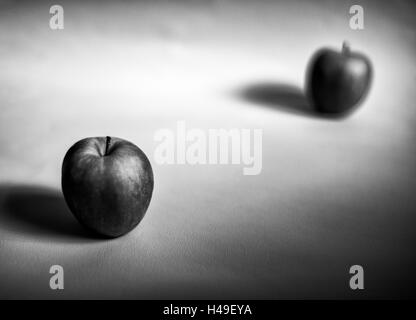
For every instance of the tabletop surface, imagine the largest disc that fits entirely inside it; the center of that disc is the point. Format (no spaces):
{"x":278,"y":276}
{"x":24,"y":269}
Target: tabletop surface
{"x":331,"y":193}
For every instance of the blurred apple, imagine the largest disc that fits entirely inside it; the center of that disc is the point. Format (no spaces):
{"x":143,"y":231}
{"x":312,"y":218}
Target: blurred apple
{"x":336,"y":82}
{"x":107,"y":183}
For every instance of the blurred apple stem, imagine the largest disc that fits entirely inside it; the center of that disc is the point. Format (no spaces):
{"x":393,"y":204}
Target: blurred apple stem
{"x":346,"y":47}
{"x":107,"y":144}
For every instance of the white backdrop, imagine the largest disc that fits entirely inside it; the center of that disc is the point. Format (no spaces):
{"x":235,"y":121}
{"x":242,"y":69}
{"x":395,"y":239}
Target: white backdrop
{"x":332,"y":193}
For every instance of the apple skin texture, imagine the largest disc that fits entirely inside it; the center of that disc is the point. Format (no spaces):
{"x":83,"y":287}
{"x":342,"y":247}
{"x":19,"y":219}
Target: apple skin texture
{"x":337,"y":82}
{"x":107,"y":184}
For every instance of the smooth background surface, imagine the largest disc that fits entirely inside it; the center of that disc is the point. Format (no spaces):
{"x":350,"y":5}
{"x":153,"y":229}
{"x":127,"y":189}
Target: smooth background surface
{"x":332,"y":193}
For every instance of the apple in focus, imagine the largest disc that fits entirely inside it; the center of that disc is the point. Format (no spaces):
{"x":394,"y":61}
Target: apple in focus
{"x":336,"y":82}
{"x":107,"y":184}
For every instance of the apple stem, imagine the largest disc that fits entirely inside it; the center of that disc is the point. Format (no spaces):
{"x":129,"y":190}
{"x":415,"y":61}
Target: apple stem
{"x":107,"y":144}
{"x":346,"y":47}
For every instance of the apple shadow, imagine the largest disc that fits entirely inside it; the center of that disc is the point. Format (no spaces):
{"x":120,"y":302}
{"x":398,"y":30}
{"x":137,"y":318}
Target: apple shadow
{"x":39,"y":212}
{"x":282,"y":97}
{"x":277,"y":96}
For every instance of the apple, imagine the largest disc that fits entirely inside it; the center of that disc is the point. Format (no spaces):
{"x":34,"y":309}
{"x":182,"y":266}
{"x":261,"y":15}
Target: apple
{"x":336,"y":82}
{"x":107,"y":184}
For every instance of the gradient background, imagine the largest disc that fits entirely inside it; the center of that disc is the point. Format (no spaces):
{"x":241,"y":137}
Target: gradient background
{"x":332,"y":193}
